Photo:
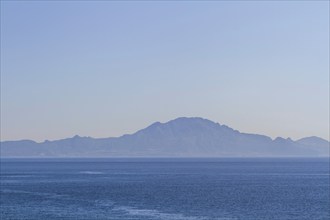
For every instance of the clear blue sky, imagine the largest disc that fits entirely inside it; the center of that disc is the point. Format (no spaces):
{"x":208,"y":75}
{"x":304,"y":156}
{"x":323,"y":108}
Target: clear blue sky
{"x":103,"y":69}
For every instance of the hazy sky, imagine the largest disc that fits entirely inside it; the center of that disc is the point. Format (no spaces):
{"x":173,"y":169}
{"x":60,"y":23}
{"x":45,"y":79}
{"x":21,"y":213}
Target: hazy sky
{"x":103,"y":69}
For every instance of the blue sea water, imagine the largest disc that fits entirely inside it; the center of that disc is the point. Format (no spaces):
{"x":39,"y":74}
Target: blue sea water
{"x":165,"y":189}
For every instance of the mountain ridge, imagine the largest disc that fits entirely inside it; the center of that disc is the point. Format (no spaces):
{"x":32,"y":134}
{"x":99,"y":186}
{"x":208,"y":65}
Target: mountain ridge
{"x":183,"y":136}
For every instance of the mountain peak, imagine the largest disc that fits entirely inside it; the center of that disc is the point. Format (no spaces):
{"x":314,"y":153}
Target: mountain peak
{"x":314,"y":138}
{"x":314,"y":141}
{"x":192,"y":121}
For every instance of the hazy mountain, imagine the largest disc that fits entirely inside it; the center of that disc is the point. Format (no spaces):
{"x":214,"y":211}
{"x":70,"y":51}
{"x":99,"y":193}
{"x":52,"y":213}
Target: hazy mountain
{"x":315,"y":142}
{"x":185,"y":137}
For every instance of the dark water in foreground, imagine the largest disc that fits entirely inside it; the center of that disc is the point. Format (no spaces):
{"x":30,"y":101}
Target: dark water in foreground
{"x":169,"y":189}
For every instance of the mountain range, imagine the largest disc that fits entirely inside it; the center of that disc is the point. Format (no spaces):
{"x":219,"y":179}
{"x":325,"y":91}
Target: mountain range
{"x":181,"y":137}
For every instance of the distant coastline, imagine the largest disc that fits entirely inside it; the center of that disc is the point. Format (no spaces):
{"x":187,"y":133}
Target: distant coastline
{"x":181,"y":137}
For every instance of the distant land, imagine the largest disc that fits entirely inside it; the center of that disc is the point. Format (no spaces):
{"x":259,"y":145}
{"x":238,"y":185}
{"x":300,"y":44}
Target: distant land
{"x":181,"y":137}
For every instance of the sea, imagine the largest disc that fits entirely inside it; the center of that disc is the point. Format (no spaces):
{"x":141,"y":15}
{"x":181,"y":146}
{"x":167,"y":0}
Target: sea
{"x":165,"y":188}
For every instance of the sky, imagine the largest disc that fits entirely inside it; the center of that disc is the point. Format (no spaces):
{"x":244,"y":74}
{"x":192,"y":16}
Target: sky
{"x":107,"y":68}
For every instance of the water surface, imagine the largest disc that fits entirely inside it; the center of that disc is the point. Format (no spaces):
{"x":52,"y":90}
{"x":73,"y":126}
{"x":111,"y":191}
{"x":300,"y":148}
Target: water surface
{"x":187,"y":189}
